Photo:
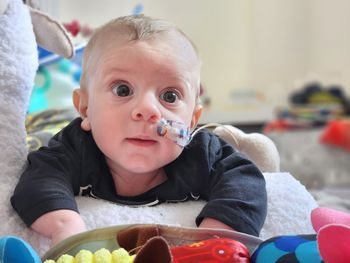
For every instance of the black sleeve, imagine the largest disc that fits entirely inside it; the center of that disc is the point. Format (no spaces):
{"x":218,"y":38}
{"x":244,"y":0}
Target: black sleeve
{"x":47,"y":184}
{"x":235,"y":190}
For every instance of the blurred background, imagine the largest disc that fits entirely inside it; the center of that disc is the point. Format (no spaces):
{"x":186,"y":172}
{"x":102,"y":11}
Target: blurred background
{"x":277,"y":67}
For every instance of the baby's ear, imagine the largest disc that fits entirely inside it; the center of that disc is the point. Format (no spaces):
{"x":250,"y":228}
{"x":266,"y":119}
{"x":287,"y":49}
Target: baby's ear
{"x":196,"y":115}
{"x":80,"y":102}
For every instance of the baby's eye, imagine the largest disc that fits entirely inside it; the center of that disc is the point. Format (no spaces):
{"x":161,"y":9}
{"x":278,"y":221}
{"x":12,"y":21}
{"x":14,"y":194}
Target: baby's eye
{"x":169,"y":96}
{"x":122,"y":90}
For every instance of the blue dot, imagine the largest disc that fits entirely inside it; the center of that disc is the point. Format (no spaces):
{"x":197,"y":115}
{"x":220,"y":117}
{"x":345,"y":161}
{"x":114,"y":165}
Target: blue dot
{"x":289,"y":243}
{"x":308,"y":253}
{"x":138,"y":9}
{"x":77,"y":75}
{"x":269,"y":253}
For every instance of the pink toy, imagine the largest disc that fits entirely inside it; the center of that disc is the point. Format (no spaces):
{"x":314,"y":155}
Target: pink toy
{"x":333,"y":234}
{"x":73,"y":27}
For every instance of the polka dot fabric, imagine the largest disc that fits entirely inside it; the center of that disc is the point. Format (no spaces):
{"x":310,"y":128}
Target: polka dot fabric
{"x":298,"y":249}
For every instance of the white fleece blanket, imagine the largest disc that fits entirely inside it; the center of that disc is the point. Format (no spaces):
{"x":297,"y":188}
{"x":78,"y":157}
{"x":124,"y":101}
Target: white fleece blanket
{"x":289,"y":203}
{"x":289,"y":207}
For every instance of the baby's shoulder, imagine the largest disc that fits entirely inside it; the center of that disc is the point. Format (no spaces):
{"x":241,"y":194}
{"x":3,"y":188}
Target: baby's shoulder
{"x":72,"y":135}
{"x":205,"y":139}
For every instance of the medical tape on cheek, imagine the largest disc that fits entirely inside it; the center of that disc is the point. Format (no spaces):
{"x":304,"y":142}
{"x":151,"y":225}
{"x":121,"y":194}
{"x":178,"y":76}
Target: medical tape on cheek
{"x":178,"y":132}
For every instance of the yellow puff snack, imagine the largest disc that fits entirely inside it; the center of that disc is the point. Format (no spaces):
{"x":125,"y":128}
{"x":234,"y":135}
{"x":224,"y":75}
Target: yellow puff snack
{"x":66,"y":259}
{"x":102,"y":255}
{"x":84,"y":256}
{"x":122,"y":256}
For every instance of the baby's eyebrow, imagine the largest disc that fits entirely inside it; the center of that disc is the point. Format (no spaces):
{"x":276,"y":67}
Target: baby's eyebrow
{"x":183,"y":84}
{"x":188,"y":85}
{"x":109,"y":73}
{"x":116,"y":69}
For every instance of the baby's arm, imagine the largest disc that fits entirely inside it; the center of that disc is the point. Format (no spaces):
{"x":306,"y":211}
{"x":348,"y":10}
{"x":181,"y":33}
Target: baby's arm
{"x":59,"y":224}
{"x":235,"y":190}
{"x":213,"y":223}
{"x":45,"y":195}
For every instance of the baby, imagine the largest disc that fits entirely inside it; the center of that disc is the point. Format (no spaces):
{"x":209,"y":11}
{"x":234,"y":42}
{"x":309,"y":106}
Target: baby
{"x":138,"y":102}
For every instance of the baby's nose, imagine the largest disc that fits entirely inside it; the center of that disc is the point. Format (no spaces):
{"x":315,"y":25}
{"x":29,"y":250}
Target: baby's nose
{"x":146,"y":110}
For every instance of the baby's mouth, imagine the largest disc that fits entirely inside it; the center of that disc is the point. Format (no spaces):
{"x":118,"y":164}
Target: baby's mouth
{"x":143,"y":142}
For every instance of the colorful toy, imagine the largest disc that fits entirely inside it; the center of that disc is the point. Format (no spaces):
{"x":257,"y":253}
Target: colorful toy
{"x":156,"y":249}
{"x":138,"y":9}
{"x":315,"y":93}
{"x":330,"y":244}
{"x":337,"y":133}
{"x":152,"y":243}
{"x":74,"y":27}
{"x":55,"y":80}
{"x":333,"y":234}
{"x":16,"y":250}
{"x":152,"y":246}
{"x":289,"y":248}
{"x":54,"y":85}
{"x":215,"y":250}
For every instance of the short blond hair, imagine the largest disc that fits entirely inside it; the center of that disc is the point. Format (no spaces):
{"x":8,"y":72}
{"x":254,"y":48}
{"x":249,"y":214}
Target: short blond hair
{"x":131,"y":28}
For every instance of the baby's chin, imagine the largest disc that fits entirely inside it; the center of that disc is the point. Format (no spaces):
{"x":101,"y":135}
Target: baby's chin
{"x":142,"y":168}
{"x":130,"y":157}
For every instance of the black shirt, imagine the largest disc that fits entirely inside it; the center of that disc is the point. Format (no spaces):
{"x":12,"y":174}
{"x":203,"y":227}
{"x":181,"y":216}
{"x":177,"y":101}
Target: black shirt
{"x":208,"y":168}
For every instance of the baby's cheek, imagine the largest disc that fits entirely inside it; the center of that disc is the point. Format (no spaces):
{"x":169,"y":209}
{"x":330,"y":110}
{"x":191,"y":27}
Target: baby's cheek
{"x":172,"y":151}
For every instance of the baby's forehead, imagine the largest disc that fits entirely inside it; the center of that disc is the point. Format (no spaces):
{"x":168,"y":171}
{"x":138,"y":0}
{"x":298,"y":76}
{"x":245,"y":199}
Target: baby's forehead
{"x":172,"y":43}
{"x":173,"y":38}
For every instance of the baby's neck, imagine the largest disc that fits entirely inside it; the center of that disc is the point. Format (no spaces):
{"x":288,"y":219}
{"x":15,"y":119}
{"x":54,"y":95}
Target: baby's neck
{"x":127,"y":184}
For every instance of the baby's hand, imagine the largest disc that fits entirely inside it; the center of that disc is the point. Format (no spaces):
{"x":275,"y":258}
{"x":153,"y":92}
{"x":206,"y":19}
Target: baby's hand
{"x":59,"y":224}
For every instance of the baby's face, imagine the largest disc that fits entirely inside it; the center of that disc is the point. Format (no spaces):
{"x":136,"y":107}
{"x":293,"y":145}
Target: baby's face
{"x":132,"y":85}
